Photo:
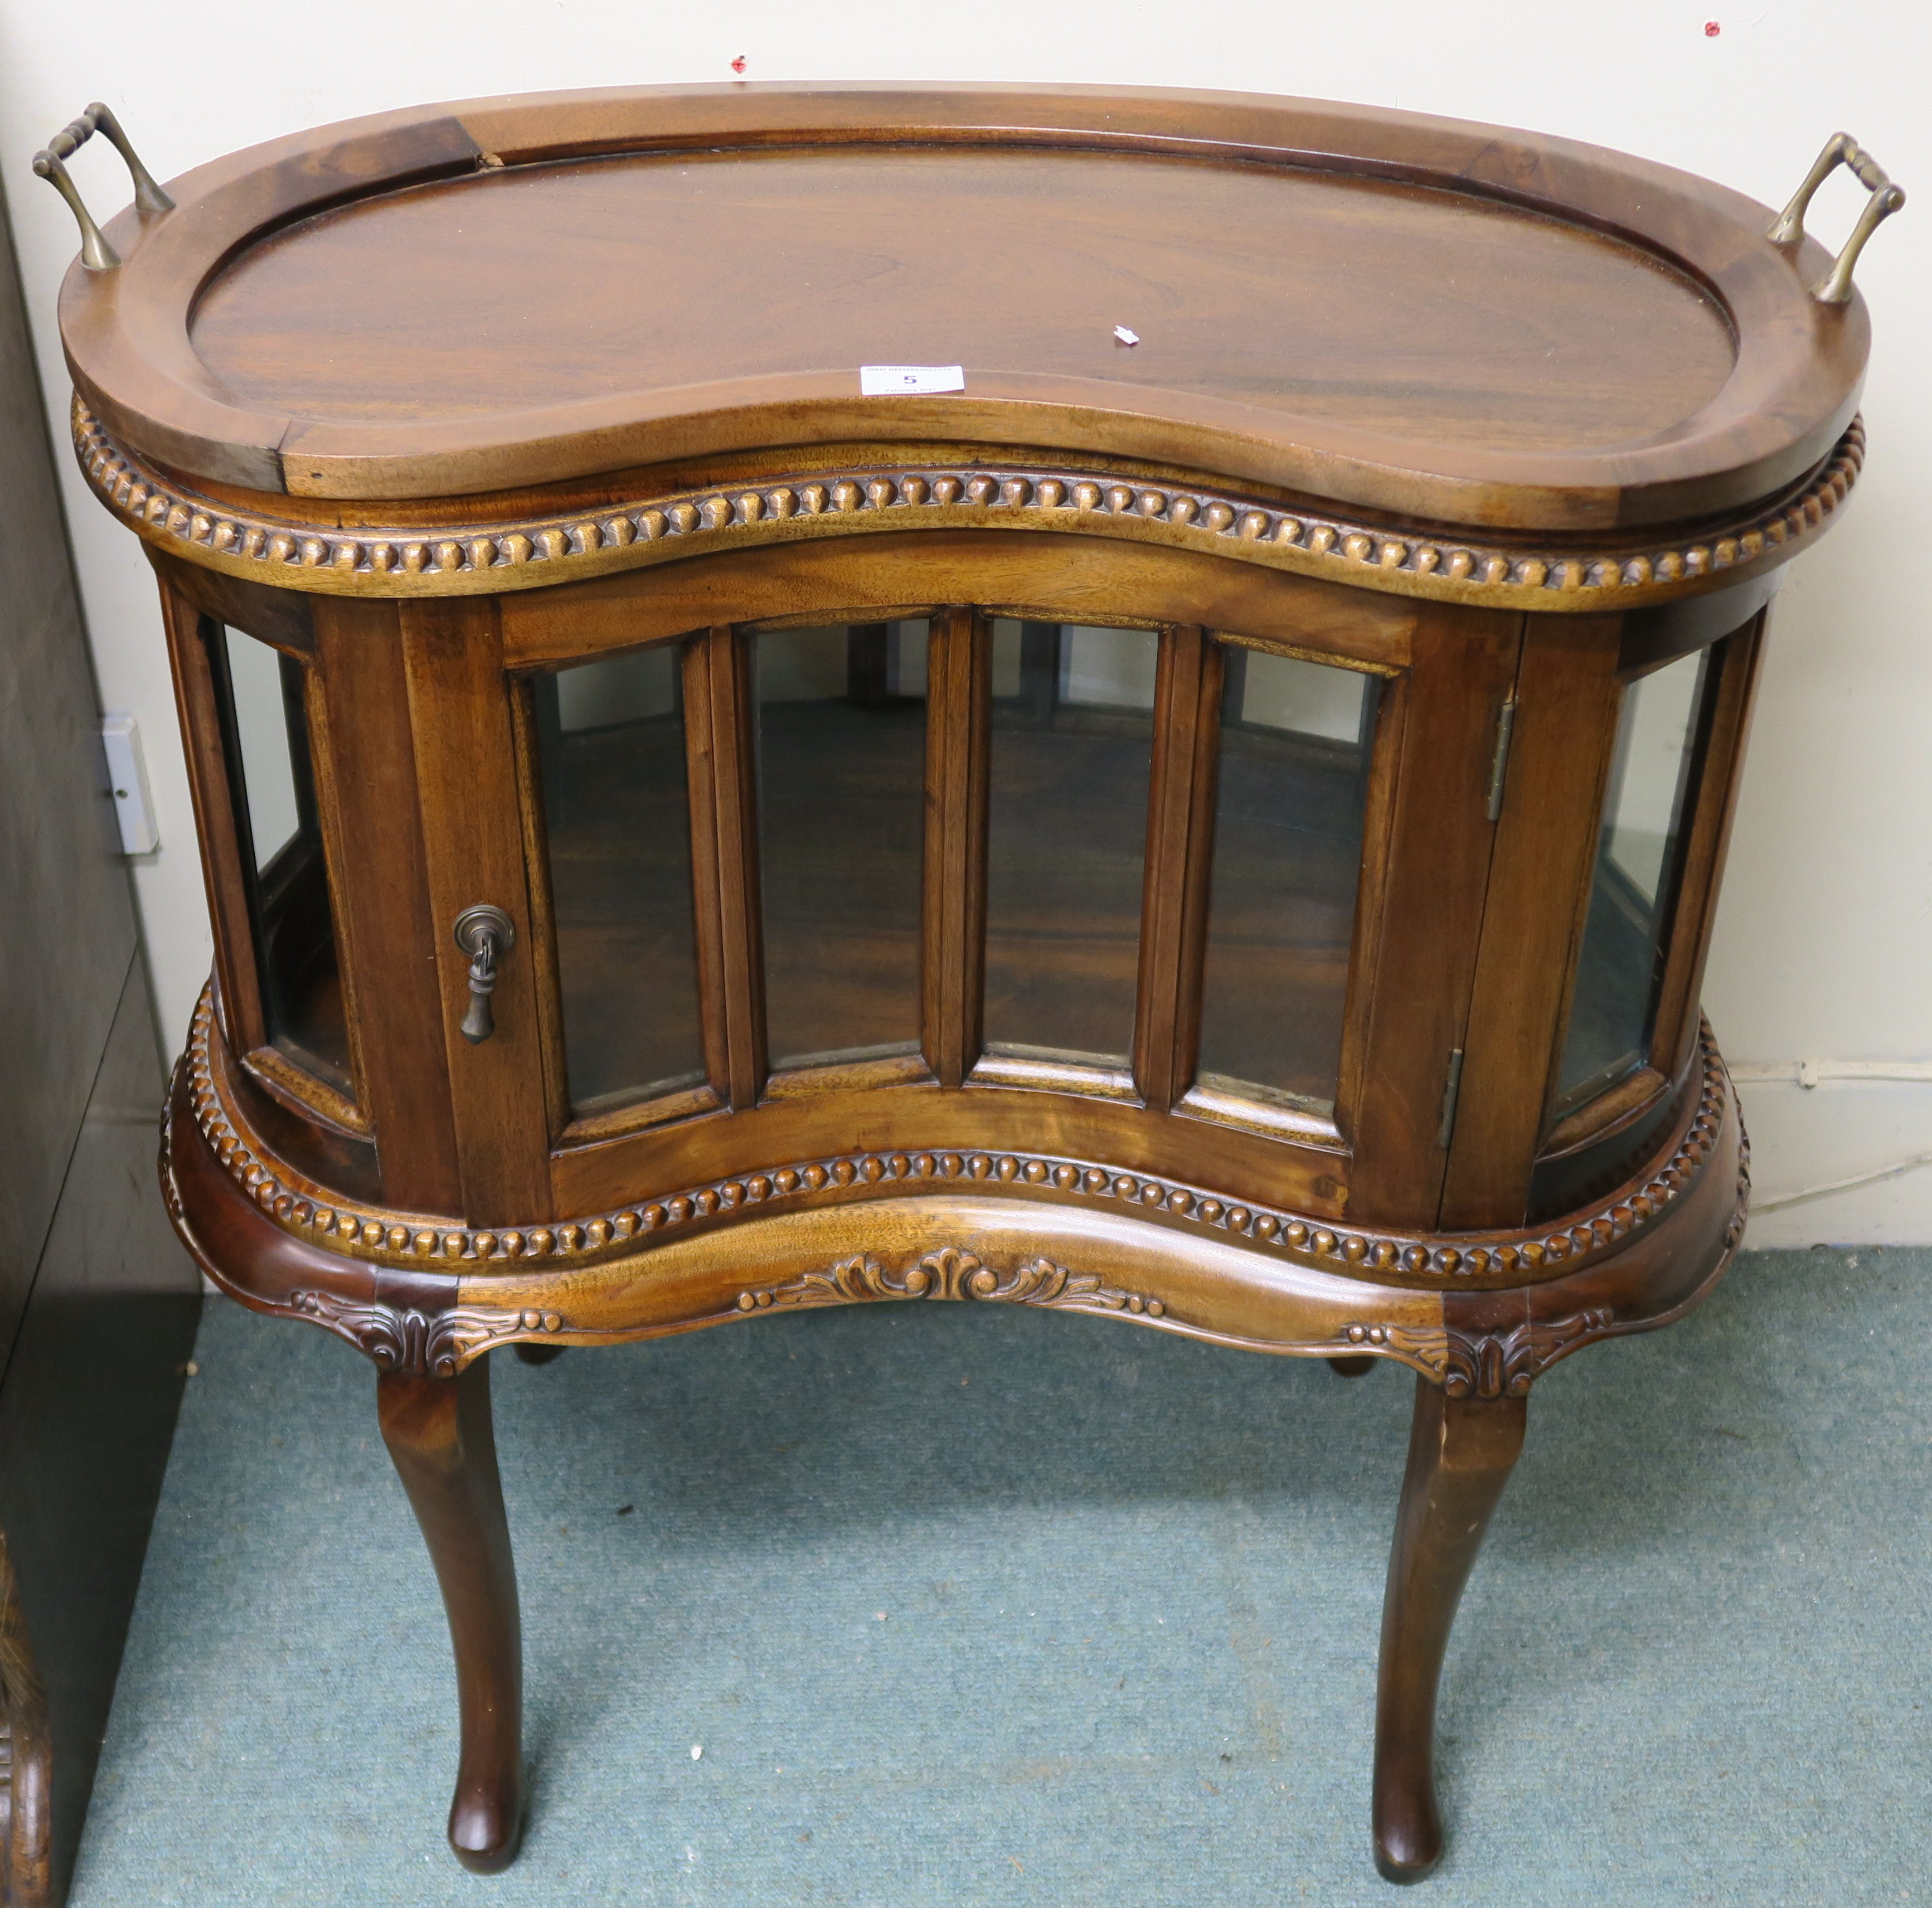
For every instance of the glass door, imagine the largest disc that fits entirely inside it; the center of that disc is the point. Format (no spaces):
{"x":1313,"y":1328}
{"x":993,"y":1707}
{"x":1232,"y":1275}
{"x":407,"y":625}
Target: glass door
{"x":1297,"y":737}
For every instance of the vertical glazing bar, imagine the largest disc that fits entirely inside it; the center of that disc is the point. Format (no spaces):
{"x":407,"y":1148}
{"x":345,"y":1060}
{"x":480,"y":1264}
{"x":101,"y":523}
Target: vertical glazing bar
{"x":724,"y":854}
{"x":707,"y":895}
{"x":1181,"y":813}
{"x":953,"y":961}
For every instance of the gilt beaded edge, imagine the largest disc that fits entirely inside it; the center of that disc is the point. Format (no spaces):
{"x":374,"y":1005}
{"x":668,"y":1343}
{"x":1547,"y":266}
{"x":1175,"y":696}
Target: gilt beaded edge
{"x":1450,"y":1261}
{"x":488,"y":558}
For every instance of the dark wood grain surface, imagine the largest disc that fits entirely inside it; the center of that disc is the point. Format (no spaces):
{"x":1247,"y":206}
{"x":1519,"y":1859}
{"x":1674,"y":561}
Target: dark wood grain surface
{"x":469,"y":799}
{"x":1441,"y":320}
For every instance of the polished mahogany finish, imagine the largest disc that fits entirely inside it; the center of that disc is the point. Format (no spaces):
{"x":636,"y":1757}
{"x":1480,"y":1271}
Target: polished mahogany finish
{"x":1461,"y":1451}
{"x":438,"y":1432}
{"x":1216,"y":823}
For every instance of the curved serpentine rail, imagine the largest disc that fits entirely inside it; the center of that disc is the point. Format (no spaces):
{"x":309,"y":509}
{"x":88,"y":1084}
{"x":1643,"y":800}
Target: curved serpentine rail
{"x":490,"y":556}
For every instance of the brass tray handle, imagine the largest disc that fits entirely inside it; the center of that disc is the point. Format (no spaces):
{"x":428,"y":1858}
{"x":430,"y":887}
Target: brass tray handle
{"x":486,"y":935}
{"x":1840,"y":149}
{"x":95,"y":252}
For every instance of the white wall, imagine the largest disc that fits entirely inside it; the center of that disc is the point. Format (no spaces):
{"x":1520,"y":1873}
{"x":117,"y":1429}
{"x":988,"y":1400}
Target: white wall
{"x":1821,"y":947}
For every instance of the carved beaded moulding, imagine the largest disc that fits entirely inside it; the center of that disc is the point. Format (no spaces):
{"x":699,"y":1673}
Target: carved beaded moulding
{"x":494,"y":556}
{"x":1445,"y":1260}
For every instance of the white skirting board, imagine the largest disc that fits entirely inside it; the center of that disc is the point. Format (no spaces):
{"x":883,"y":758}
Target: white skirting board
{"x":1852,"y":1155}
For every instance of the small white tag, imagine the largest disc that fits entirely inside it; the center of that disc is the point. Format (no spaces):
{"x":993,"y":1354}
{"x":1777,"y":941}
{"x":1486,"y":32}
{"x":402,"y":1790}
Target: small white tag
{"x":909,"y":380}
{"x":1125,"y":336}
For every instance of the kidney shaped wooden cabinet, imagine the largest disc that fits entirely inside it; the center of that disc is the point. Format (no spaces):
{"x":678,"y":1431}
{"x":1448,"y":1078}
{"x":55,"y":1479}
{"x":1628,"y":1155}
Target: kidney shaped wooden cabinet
{"x":1213,"y":821}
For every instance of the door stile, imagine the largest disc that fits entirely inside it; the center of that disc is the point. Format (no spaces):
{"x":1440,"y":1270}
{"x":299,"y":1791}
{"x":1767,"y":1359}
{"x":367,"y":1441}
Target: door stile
{"x":1180,"y":821}
{"x":547,"y":982}
{"x":1430,"y":911}
{"x":1385,"y":759}
{"x":382,"y":900}
{"x":1561,"y":740}
{"x":459,"y":721}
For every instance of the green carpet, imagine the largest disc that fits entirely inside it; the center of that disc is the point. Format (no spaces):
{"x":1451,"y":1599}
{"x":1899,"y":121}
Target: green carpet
{"x":971,"y":1605}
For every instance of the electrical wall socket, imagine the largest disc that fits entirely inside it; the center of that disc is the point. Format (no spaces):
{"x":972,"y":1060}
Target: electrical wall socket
{"x":127,"y":780}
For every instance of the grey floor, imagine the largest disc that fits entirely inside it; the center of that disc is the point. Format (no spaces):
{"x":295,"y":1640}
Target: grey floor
{"x":964,"y":1606}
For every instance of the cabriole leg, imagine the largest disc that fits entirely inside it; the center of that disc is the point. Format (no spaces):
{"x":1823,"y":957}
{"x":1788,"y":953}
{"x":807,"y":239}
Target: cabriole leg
{"x":439,"y":1432}
{"x":1461,"y":1451}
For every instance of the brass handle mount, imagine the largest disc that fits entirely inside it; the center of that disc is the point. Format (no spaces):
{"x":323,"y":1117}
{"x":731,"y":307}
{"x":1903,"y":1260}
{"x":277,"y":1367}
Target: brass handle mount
{"x":1788,"y":228}
{"x":95,"y":252}
{"x":486,"y":935}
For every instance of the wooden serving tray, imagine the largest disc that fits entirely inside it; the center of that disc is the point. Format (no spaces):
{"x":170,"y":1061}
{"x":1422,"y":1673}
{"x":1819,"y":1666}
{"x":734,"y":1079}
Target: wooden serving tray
{"x":1407,"y":315}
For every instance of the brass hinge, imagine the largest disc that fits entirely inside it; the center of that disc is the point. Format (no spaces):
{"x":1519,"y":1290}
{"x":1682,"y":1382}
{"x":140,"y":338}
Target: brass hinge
{"x":1452,"y":1092}
{"x":1499,"y":761}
